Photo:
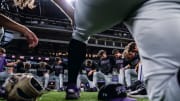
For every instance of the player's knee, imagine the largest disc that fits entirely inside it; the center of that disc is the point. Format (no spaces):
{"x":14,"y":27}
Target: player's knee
{"x":80,"y":36}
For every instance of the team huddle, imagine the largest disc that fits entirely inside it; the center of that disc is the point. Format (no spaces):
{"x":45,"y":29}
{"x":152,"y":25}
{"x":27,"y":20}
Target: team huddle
{"x":117,"y":68}
{"x":153,"y":25}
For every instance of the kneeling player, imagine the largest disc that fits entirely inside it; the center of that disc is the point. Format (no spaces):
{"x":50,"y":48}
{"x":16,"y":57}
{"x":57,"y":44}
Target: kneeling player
{"x":86,"y":75}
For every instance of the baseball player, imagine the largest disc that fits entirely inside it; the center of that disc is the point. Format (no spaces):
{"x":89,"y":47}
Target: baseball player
{"x":58,"y":68}
{"x":104,"y":71}
{"x":155,"y":27}
{"x":3,"y":64}
{"x":11,"y":24}
{"x":43,"y":70}
{"x":132,"y":60}
{"x":86,"y":74}
{"x":118,"y":64}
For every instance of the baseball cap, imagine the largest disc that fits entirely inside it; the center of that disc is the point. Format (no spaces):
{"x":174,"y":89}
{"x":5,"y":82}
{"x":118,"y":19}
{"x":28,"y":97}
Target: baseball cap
{"x":113,"y":92}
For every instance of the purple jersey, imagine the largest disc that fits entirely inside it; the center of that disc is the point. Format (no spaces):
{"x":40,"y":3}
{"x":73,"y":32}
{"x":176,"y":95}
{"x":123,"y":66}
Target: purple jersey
{"x":2,"y":63}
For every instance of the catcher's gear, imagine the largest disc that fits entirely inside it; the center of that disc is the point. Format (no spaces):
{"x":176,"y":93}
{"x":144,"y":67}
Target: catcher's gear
{"x":22,"y":87}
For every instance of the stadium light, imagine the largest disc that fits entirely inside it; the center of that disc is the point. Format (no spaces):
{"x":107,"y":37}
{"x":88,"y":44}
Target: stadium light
{"x":13,"y":56}
{"x":47,"y":59}
{"x":31,"y":58}
{"x":21,"y":57}
{"x":39,"y":58}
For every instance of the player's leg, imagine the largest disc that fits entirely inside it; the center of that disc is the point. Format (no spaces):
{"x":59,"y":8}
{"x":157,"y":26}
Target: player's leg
{"x":121,"y":76}
{"x":88,"y":21}
{"x":156,"y":31}
{"x":57,"y":82}
{"x":60,"y":80}
{"x":129,"y":73}
{"x":79,"y":80}
{"x":3,"y":76}
{"x":108,"y":79}
{"x":41,"y":79}
{"x":77,"y":52}
{"x":128,"y":77}
{"x":98,"y":77}
{"x":140,"y":72}
{"x":91,"y":84}
{"x":95,"y":78}
{"x":84,"y":79}
{"x":91,"y":17}
{"x":46,"y":80}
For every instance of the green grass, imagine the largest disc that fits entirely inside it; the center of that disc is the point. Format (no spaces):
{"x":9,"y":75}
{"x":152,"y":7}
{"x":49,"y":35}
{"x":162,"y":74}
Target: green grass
{"x":59,"y":96}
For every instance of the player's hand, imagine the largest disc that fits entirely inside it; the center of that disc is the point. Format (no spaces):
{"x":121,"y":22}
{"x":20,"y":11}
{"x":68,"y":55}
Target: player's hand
{"x":31,"y":38}
{"x":17,"y":61}
{"x":90,"y":73}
